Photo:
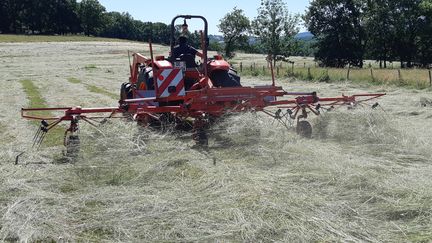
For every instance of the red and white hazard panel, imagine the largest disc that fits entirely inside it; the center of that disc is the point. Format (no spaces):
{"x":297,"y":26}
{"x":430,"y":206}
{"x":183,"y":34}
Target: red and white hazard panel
{"x":170,"y":82}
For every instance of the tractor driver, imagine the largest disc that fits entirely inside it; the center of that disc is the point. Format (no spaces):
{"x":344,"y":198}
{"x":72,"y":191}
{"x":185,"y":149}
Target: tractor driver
{"x":183,"y":48}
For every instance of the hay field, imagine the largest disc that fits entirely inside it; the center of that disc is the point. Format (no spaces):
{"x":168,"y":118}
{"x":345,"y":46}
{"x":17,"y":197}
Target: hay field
{"x":365,"y":175}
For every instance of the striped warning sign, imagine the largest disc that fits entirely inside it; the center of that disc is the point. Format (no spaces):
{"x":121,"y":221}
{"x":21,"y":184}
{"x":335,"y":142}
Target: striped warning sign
{"x":170,"y":83}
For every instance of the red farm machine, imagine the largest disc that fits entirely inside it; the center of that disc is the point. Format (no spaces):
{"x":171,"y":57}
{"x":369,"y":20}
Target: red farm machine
{"x":179,"y":92}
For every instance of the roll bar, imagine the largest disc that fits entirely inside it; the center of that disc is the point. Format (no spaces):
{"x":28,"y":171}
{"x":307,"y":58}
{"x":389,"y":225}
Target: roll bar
{"x":172,"y":43}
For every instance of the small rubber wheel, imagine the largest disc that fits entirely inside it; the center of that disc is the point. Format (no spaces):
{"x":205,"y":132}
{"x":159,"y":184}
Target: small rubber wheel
{"x":304,"y":129}
{"x":201,"y":138}
{"x":73,"y":146}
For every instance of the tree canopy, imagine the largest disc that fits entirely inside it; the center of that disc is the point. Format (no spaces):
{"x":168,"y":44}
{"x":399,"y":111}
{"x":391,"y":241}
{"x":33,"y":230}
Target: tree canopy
{"x":234,"y":26}
{"x":340,"y":36}
{"x":276,"y":28}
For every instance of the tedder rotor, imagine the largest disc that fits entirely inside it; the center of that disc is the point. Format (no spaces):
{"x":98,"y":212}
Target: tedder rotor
{"x":176,"y":90}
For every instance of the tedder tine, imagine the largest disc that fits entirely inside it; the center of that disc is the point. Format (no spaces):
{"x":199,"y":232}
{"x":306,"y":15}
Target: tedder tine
{"x":40,"y":134}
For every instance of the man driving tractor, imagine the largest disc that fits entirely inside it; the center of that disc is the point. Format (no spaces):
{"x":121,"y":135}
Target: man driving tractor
{"x":183,"y":48}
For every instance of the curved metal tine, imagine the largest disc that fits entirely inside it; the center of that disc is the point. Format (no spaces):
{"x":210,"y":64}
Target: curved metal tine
{"x":94,"y":126}
{"x":41,"y":138}
{"x":36,"y":134}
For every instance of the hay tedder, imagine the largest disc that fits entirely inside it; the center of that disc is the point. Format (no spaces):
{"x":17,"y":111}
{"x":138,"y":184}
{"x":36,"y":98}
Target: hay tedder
{"x":178,"y":92}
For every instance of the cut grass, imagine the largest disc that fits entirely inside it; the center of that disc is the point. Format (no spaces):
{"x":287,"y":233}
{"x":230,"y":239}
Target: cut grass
{"x":52,"y":38}
{"x":93,"y":88}
{"x":55,"y":135}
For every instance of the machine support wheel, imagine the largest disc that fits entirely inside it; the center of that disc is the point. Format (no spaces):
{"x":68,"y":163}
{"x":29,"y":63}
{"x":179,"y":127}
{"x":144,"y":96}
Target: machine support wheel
{"x":304,"y":129}
{"x":200,"y":127}
{"x":72,"y":144}
{"x":201,"y":138}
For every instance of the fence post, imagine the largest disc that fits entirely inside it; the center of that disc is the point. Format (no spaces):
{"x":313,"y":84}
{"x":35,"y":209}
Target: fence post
{"x":277,"y":71}
{"x":251,"y":68}
{"x":309,"y":73}
{"x":292,"y":68}
{"x":241,"y":67}
{"x":348,"y":72}
{"x":254,"y":66}
{"x":372,"y":75}
{"x":264,"y":69}
{"x":430,"y":78}
{"x":399,"y":75}
{"x":304,"y":65}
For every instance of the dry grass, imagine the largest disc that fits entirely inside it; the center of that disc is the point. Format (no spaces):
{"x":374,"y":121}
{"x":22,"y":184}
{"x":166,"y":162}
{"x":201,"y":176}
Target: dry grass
{"x":365,"y":175}
{"x":52,"y":38}
{"x":306,"y":69}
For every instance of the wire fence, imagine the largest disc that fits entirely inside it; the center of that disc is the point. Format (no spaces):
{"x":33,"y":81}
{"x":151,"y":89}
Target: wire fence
{"x":419,"y":78}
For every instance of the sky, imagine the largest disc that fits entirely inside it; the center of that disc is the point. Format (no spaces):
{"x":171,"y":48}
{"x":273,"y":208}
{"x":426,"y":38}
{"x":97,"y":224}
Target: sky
{"x":213,"y":11}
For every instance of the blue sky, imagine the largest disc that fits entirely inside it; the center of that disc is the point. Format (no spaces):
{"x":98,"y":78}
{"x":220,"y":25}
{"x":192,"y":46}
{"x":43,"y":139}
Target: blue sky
{"x":164,"y":11}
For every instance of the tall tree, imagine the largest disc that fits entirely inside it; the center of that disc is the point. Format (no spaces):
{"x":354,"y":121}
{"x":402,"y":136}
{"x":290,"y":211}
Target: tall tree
{"x":91,"y":14}
{"x":380,"y":30}
{"x":66,"y":17}
{"x":424,"y":39}
{"x":234,"y":26}
{"x":120,"y":25}
{"x":406,"y":14}
{"x":339,"y":34}
{"x":275,"y":27}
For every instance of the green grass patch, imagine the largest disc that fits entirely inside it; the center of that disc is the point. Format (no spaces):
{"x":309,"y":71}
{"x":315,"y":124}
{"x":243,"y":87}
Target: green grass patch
{"x":54,"y":38}
{"x":98,"y":90}
{"x":90,"y":67}
{"x":93,"y":88}
{"x":55,"y":135}
{"x":74,"y":80}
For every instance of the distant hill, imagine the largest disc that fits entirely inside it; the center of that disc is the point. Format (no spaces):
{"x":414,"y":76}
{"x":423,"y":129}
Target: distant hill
{"x":216,"y":38}
{"x":305,"y":36}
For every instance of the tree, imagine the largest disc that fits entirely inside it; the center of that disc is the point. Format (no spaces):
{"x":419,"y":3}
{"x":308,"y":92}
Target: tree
{"x":234,"y":26}
{"x":65,"y":16}
{"x":338,"y":30}
{"x":5,"y":20}
{"x":120,"y":25}
{"x":424,"y":40}
{"x":406,"y":14}
{"x":276,"y":28}
{"x":380,"y":31}
{"x":91,"y":14}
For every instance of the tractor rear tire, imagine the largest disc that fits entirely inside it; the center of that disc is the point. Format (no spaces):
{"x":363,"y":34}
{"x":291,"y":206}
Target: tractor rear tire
{"x":304,"y":129}
{"x":222,"y":78}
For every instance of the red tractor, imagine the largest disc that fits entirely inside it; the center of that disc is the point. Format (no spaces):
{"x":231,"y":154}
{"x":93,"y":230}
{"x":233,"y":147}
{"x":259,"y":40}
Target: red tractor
{"x":179,"y":92}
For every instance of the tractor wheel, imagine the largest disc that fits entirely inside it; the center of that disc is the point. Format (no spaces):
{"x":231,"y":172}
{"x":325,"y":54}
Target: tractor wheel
{"x":223,"y":78}
{"x":304,"y":129}
{"x":72,"y":146}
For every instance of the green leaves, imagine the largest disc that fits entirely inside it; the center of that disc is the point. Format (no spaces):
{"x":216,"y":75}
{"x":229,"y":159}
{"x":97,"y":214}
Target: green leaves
{"x":337,"y":26}
{"x":91,"y":14}
{"x":275,"y":27}
{"x":234,"y":26}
